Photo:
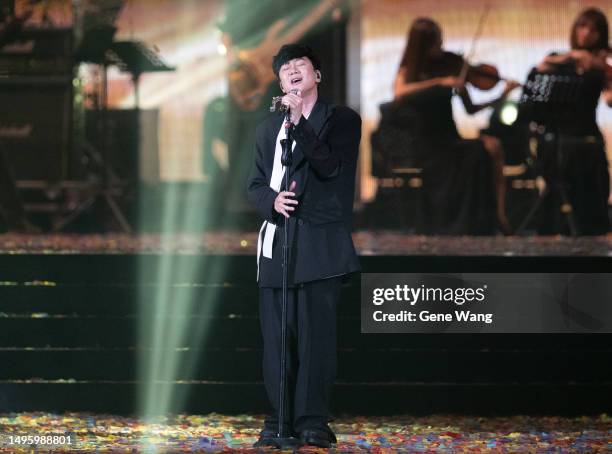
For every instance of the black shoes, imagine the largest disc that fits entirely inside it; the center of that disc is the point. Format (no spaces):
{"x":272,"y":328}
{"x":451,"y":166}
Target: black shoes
{"x":264,"y":441}
{"x":269,"y":438}
{"x":323,"y":438}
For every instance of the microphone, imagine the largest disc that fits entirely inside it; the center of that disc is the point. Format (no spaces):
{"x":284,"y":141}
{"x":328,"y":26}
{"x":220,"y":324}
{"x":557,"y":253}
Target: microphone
{"x":288,"y":124}
{"x":286,"y":156}
{"x":278,"y":106}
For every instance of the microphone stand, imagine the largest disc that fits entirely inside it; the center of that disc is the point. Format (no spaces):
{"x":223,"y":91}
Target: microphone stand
{"x":285,"y":440}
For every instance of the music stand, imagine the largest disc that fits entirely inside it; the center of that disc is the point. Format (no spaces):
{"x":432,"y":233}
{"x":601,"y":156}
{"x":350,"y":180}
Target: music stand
{"x":134,"y":57}
{"x":93,"y":49}
{"x":546,"y":105}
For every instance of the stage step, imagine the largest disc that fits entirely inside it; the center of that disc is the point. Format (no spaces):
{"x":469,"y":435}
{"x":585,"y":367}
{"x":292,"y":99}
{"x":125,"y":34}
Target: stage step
{"x":485,"y":399}
{"x":70,"y":340}
{"x":455,"y":365}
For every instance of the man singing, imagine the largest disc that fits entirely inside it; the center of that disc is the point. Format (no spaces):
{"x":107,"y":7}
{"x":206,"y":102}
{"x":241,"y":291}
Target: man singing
{"x":318,"y":208}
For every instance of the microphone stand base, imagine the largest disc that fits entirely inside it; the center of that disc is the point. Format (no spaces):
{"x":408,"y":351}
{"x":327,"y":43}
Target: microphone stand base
{"x":285,"y":443}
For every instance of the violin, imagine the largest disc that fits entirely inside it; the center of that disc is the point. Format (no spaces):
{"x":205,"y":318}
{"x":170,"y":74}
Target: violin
{"x":580,"y":60}
{"x":483,"y":76}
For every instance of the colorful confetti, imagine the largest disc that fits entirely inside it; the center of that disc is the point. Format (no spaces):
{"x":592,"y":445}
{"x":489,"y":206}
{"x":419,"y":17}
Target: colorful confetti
{"x":379,"y":435}
{"x":245,"y":243}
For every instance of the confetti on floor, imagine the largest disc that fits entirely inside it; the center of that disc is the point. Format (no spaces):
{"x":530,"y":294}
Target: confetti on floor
{"x":373,"y":242}
{"x":380,"y":435}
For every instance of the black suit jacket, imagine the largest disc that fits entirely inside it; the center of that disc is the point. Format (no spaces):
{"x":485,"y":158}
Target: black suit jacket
{"x":324,"y":167}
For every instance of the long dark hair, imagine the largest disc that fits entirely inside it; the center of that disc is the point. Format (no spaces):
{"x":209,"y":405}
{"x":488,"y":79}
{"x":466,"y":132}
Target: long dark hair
{"x":424,"y":33}
{"x":598,"y":19}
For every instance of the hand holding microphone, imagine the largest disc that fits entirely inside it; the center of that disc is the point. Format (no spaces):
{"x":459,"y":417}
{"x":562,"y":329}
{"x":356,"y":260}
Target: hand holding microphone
{"x":293,"y":101}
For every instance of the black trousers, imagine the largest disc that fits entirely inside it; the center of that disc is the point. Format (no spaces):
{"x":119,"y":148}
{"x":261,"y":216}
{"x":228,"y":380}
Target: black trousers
{"x":311,"y":351}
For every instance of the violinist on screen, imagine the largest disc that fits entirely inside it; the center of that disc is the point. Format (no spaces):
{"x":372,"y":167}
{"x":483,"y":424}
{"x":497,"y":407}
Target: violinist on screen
{"x":464,"y":188}
{"x":585,"y":171}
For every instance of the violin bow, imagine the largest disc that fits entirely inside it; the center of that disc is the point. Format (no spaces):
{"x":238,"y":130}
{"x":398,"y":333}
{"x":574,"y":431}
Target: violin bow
{"x":479,"y":28}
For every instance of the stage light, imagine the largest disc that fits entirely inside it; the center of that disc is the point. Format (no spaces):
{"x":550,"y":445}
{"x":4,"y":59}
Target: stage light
{"x":175,"y":304}
{"x":508,"y":113}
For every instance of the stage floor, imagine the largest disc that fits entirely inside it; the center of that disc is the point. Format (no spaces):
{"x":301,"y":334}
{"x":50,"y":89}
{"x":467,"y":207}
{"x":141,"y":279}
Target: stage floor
{"x":399,"y":434}
{"x":368,"y":243}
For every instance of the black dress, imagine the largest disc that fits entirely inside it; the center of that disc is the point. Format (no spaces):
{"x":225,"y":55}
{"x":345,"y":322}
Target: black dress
{"x":457,"y":196}
{"x":576,"y":153}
